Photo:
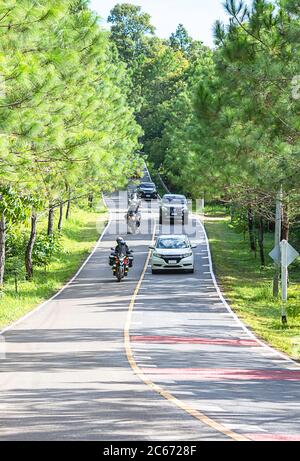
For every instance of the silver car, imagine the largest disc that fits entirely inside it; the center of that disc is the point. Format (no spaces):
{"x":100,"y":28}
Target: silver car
{"x":172,"y":252}
{"x":173,"y":208}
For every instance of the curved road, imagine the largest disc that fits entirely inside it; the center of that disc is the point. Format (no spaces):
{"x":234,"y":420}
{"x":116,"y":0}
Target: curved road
{"x":105,"y":361}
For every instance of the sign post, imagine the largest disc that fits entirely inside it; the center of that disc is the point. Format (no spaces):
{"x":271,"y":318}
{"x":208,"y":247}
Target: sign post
{"x":284,"y":254}
{"x":278,"y":222}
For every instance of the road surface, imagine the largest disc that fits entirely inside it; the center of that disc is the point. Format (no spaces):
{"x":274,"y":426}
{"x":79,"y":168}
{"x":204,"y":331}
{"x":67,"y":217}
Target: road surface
{"x":157,"y":357}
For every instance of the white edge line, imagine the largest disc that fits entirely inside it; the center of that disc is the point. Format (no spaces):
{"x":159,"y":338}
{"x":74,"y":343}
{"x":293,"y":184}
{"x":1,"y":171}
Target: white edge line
{"x":45,"y":303}
{"x":148,"y":172}
{"x":234,"y":315}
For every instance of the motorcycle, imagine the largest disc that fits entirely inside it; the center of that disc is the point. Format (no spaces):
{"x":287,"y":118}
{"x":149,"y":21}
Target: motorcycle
{"x":133,"y":222}
{"x":120,"y":265}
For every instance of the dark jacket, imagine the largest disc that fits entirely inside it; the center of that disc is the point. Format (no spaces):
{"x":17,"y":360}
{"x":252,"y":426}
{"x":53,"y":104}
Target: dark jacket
{"x":122,"y":249}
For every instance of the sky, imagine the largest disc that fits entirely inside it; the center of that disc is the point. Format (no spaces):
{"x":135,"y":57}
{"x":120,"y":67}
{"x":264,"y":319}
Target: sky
{"x":198,"y":16}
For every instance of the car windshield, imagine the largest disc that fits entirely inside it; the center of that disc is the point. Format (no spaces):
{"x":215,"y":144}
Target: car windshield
{"x":172,"y":243}
{"x":174,"y":200}
{"x":147,"y":186}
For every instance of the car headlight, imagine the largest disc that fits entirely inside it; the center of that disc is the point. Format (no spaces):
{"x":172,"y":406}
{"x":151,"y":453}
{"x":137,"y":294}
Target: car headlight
{"x":187,"y":255}
{"x":156,"y":255}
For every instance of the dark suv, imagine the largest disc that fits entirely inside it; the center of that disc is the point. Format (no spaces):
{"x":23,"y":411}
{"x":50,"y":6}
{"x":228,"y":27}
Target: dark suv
{"x":173,"y":207}
{"x":147,"y":191}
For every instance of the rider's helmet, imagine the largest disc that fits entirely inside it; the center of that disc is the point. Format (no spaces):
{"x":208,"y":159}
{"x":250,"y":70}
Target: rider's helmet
{"x":120,"y":241}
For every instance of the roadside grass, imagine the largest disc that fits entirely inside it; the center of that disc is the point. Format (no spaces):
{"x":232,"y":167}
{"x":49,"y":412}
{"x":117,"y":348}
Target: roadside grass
{"x":248,"y":287}
{"x":79,"y":236}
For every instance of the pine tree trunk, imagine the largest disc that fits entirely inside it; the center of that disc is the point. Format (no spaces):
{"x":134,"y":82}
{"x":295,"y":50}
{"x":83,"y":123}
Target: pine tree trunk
{"x":261,"y":241}
{"x":251,"y":229}
{"x":60,"y":221}
{"x":68,"y":190}
{"x":68,"y":209}
{"x":231,"y":213}
{"x":91,"y":200}
{"x":29,"y":249}
{"x":50,"y":220}
{"x":2,"y":247}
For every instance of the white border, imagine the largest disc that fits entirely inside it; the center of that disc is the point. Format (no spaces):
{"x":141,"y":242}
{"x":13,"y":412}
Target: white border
{"x":236,"y":318}
{"x":45,"y":303}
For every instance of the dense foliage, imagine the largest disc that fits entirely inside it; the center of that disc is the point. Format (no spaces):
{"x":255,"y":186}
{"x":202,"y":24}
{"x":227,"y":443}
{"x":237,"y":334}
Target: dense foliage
{"x":66,"y":128}
{"x":224,"y":123}
{"x":239,"y":138}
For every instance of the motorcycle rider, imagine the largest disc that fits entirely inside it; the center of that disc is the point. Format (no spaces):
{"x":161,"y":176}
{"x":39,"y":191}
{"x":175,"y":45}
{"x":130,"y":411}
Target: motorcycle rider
{"x":134,"y":196}
{"x":133,"y":216}
{"x":122,"y":248}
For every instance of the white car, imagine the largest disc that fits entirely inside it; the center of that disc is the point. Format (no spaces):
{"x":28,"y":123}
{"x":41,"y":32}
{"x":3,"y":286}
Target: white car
{"x":172,"y":252}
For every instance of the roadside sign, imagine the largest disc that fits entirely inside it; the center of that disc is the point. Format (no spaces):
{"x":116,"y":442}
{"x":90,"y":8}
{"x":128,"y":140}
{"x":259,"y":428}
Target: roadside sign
{"x":289,"y":256}
{"x":290,"y":253}
{"x":276,"y":254}
{"x":283,"y":255}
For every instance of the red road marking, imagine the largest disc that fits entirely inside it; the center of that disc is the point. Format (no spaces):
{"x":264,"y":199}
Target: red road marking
{"x":273,"y":437}
{"x":184,"y":340}
{"x":217,"y":374}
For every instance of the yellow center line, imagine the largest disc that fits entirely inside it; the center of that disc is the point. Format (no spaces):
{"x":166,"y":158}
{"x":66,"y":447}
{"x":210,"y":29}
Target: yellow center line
{"x":158,"y":389}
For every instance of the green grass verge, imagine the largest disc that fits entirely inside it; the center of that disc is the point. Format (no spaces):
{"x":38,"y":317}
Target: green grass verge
{"x":248,"y":287}
{"x":79,"y":236}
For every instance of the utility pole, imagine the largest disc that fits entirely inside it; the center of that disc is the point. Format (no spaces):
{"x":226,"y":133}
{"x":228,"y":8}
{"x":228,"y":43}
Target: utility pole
{"x":278,"y":223}
{"x":284,"y":278}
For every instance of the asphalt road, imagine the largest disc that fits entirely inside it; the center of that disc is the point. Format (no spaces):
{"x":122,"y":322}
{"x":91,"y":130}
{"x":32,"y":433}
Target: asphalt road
{"x":185,"y":369}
